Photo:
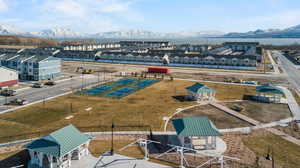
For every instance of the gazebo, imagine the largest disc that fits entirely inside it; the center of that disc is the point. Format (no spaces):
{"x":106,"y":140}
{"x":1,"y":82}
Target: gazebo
{"x":58,"y":148}
{"x":269,"y":93}
{"x":196,"y":132}
{"x":200,"y":92}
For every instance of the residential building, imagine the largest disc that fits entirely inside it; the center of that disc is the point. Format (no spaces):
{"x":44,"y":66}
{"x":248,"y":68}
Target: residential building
{"x":131,"y":43}
{"x":8,"y":77}
{"x":200,"y":92}
{"x":58,"y":149}
{"x":197,"y":133}
{"x":32,"y":66}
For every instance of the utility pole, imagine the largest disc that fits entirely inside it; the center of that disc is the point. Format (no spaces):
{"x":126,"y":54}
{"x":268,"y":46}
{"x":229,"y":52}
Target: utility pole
{"x":112,"y":138}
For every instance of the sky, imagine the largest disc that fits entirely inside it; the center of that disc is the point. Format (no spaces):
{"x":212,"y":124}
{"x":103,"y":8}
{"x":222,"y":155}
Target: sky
{"x":92,"y":16}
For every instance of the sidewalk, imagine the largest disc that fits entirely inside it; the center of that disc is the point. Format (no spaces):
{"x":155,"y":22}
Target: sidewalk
{"x":293,"y":105}
{"x":275,"y":66}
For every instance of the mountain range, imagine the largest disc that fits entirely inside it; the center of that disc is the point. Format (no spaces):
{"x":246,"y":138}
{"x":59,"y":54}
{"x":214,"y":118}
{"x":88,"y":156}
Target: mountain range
{"x":292,"y":32}
{"x":61,"y":33}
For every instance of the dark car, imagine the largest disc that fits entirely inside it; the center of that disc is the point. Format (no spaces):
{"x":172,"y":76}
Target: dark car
{"x":8,"y":92}
{"x":50,"y":83}
{"x":18,"y":102}
{"x":37,"y":85}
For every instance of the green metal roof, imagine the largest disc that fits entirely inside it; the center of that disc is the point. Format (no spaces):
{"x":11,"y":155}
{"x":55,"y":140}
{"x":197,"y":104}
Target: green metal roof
{"x":195,"y":87}
{"x":195,"y":126}
{"x":59,"y":142}
{"x":269,"y":88}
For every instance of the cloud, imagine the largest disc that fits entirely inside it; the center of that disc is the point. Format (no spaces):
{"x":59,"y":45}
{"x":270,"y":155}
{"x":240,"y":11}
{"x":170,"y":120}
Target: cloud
{"x":88,"y":15}
{"x":114,"y":6}
{"x":3,"y":6}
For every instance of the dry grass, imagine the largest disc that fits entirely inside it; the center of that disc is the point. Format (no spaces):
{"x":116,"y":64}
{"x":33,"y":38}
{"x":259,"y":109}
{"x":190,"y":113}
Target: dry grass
{"x":286,"y":154}
{"x":98,"y":147}
{"x":145,"y":107}
{"x":229,"y":92}
{"x":17,"y":46}
{"x":263,"y":112}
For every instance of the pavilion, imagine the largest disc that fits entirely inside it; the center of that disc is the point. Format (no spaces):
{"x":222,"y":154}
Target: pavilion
{"x":200,"y":92}
{"x":269,"y":93}
{"x":58,"y":148}
{"x":196,"y":132}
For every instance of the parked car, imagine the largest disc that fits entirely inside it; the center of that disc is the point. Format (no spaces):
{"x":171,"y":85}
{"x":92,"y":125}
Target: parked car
{"x":37,"y":85}
{"x":18,"y":102}
{"x":8,"y":92}
{"x":50,"y":83}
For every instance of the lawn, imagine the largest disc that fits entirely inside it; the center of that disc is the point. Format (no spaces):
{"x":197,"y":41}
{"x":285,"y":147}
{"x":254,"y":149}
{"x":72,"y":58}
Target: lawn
{"x":144,"y":107}
{"x":98,"y":147}
{"x":263,"y":112}
{"x":286,"y":153}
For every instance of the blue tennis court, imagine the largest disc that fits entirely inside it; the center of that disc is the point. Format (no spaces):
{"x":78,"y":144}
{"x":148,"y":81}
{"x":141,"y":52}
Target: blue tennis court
{"x":125,"y":81}
{"x":121,"y":92}
{"x":99,"y":89}
{"x":120,"y":88}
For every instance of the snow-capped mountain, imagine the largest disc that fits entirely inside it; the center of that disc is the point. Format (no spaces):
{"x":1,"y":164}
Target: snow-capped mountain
{"x":128,"y":34}
{"x":150,"y":34}
{"x":58,"y":33}
{"x":292,"y":32}
{"x":10,"y":30}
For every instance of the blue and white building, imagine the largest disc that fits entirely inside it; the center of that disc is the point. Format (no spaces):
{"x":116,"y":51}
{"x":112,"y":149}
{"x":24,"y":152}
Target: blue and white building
{"x":32,"y":66}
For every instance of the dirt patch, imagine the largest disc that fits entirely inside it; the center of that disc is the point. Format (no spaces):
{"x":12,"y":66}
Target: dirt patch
{"x":263,"y":112}
{"x":219,"y":118}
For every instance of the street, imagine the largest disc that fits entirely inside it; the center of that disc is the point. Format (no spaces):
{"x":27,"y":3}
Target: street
{"x":36,"y":94}
{"x":290,"y":69}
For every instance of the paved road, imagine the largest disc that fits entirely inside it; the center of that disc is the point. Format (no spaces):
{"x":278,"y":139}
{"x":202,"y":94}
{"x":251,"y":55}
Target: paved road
{"x":36,"y":94}
{"x":124,"y":67}
{"x":290,"y":69}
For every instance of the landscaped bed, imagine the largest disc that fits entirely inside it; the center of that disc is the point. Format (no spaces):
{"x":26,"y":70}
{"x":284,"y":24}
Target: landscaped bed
{"x":285,"y":154}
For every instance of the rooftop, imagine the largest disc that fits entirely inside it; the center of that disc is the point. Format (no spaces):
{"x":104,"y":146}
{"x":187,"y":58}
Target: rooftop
{"x":59,"y":142}
{"x":195,"y":87}
{"x":195,"y":126}
{"x":269,"y":88}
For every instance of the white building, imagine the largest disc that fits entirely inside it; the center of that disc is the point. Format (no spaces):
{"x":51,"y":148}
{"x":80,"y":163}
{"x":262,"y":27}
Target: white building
{"x":8,"y":77}
{"x":200,"y":92}
{"x":197,"y":133}
{"x":58,"y":149}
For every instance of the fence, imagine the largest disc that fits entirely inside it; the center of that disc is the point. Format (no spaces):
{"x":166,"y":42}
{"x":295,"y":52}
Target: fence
{"x":100,"y":128}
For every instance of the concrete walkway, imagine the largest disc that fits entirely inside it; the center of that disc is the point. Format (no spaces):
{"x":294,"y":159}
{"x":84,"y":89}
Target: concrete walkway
{"x":119,"y":161}
{"x":275,"y":66}
{"x":257,"y":123}
{"x":86,"y":162}
{"x":293,"y":105}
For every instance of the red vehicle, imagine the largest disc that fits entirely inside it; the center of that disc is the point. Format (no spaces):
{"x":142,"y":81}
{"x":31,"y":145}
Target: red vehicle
{"x":158,"y":70}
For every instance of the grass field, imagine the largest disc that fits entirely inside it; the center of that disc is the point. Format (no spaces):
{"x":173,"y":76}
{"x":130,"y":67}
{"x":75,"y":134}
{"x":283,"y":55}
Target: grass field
{"x":263,"y":112}
{"x":98,"y":147}
{"x":145,"y":107}
{"x":286,"y":153}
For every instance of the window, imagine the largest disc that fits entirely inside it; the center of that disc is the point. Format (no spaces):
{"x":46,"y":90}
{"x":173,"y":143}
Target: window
{"x":187,"y":140}
{"x":54,"y":159}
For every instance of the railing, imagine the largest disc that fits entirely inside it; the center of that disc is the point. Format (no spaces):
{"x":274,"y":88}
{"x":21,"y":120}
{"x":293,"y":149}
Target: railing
{"x":27,"y":137}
